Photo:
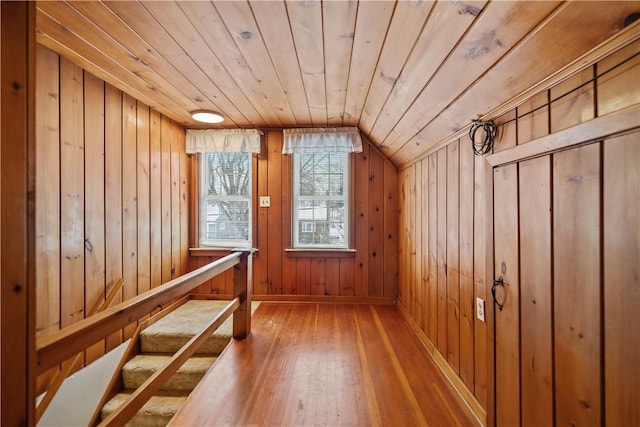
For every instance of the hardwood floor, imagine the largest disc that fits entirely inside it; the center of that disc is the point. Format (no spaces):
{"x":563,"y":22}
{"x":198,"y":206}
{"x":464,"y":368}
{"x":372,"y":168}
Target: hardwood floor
{"x":325,"y":365}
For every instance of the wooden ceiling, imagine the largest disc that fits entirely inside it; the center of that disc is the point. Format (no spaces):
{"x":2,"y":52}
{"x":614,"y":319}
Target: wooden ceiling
{"x":408,"y":73}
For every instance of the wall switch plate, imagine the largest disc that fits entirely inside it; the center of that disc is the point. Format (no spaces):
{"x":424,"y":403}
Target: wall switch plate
{"x":265,"y":201}
{"x":480,"y":308}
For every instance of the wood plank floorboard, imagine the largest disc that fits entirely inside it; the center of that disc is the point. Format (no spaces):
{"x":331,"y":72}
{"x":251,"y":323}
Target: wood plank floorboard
{"x":325,"y":365}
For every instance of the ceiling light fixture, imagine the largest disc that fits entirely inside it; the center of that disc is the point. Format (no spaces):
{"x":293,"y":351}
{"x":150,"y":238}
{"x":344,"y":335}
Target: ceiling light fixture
{"x":206,"y":116}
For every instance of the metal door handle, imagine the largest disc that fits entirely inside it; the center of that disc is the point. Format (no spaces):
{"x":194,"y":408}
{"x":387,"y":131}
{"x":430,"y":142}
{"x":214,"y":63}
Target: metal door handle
{"x":496,"y":283}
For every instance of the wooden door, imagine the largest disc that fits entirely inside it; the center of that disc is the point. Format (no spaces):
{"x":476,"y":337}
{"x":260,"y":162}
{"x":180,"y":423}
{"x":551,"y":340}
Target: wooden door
{"x":567,"y":248}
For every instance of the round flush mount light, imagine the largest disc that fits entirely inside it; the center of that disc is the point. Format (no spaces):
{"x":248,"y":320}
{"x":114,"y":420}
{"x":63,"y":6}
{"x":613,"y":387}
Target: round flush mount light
{"x":206,"y":116}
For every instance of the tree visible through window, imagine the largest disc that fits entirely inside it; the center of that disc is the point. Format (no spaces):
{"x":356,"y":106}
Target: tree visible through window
{"x":225,"y":199}
{"x":320,"y":200}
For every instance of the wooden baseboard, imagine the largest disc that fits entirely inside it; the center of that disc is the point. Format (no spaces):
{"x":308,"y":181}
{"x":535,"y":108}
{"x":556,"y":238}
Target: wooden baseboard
{"x":325,"y":299}
{"x":441,"y":362}
{"x":305,"y":298}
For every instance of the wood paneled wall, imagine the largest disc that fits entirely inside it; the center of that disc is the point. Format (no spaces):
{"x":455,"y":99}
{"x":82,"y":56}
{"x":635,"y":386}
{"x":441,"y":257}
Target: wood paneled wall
{"x":369,"y":274}
{"x":444,"y":211}
{"x":111,"y":196}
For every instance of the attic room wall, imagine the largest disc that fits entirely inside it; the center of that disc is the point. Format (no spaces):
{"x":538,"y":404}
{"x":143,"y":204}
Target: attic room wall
{"x":368,"y":275}
{"x":443,"y":217}
{"x":111,"y":196}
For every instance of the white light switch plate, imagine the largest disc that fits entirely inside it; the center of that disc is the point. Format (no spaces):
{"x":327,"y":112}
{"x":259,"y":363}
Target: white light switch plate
{"x":480,"y":308}
{"x":265,"y":201}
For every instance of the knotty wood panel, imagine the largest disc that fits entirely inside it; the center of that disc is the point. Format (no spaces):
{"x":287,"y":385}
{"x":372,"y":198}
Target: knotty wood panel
{"x":441,"y":339}
{"x":433,"y":246}
{"x":106,"y":182}
{"x":361,"y":206}
{"x":621,"y":207}
{"x":576,"y":257}
{"x":533,"y":118}
{"x":143,"y":197}
{"x":165,"y":197}
{"x":424,"y":241}
{"x":618,"y":77}
{"x":129,"y":204}
{"x":507,"y":323}
{"x":155,"y":196}
{"x":17,"y":223}
{"x":94,"y":237}
{"x":390,"y":232}
{"x":72,"y":292}
{"x":453,"y":260}
{"x":113,"y":196}
{"x":376,"y":224}
{"x":48,"y":190}
{"x":572,"y":101}
{"x":536,"y":292}
{"x":274,"y":250}
{"x":467,"y":300}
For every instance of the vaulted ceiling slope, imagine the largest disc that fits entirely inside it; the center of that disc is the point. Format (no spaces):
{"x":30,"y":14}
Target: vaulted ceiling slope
{"x":408,"y":73}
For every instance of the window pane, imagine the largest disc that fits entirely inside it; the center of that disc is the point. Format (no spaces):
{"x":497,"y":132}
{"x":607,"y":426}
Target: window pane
{"x":227,"y":174}
{"x":320,"y":202}
{"x":225,"y":199}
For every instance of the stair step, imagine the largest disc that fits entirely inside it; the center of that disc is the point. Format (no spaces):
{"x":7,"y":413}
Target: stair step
{"x":173,"y":331}
{"x":137,"y":370}
{"x":157,"y":412}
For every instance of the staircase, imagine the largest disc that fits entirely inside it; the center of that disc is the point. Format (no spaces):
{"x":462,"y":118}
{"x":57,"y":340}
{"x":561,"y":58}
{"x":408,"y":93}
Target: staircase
{"x":157,"y":344}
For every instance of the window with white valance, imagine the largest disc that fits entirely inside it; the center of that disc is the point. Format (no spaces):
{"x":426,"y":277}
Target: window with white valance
{"x":223,"y":141}
{"x":225,"y":190}
{"x":321,"y":185}
{"x":318,"y":140}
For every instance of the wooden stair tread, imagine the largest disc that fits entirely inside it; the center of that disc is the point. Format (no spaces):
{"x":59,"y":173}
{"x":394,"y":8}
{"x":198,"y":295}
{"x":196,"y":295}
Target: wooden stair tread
{"x":155,"y":413}
{"x":142,"y":366}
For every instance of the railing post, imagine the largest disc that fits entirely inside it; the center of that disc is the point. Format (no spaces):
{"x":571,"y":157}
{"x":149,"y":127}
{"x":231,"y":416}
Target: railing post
{"x":242,"y":274}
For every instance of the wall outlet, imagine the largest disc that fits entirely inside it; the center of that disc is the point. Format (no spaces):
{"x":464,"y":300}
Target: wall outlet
{"x":265,"y":201}
{"x":480,"y":308}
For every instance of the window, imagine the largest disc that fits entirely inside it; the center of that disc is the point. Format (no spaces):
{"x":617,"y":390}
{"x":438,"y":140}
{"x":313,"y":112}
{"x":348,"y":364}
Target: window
{"x":225,"y":199}
{"x":320,"y":200}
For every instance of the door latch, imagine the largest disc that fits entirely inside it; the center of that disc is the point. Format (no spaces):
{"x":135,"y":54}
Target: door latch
{"x":496,"y":283}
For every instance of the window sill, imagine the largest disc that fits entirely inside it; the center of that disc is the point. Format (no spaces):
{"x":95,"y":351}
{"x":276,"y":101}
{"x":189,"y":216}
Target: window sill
{"x":215,"y":252}
{"x":320,"y":253}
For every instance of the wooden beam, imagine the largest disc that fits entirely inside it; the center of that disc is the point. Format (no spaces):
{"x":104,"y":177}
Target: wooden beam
{"x":242,"y":290}
{"x":615,"y":123}
{"x":17,"y":216}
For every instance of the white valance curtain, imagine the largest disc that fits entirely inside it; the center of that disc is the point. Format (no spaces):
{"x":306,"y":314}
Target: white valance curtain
{"x":314,"y":140}
{"x":223,"y":141}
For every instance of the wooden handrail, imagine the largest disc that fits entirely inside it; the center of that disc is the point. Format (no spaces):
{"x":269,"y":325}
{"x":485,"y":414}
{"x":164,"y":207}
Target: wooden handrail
{"x":55,"y":348}
{"x":142,"y":394}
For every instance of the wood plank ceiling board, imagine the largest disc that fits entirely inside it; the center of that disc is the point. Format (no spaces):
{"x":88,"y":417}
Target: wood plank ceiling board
{"x":306,"y":26}
{"x":140,"y":51}
{"x":144,"y":24}
{"x":483,"y":45}
{"x":193,"y":35}
{"x":447,"y":23}
{"x":372,"y":24}
{"x":241,"y":24}
{"x":62,"y":37}
{"x":408,"y":21}
{"x":339,"y":19}
{"x":558,"y":40}
{"x":273,"y":22}
{"x":209,"y":25}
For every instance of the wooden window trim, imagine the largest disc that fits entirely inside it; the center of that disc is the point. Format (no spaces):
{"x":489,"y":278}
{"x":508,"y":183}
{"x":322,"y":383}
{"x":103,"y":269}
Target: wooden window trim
{"x":320,"y":253}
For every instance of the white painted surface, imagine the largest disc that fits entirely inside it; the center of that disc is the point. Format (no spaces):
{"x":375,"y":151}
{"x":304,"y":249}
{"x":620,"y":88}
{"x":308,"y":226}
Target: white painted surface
{"x":79,"y":395}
